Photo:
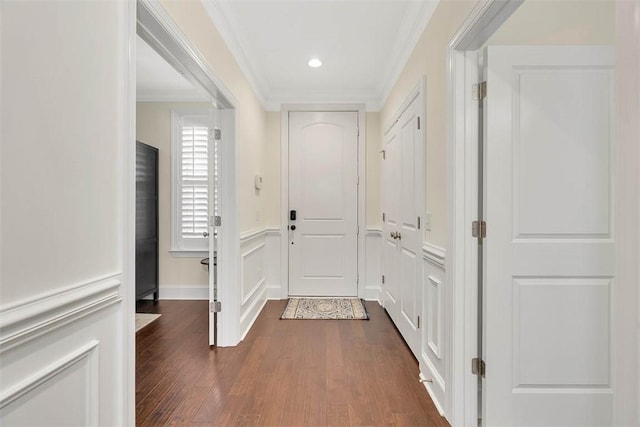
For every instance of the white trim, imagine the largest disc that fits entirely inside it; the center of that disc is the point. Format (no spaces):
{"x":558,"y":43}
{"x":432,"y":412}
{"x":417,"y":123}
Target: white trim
{"x":272,"y":231}
{"x":429,"y":387}
{"x":373,"y":293}
{"x":216,"y":11}
{"x":188,"y":292}
{"x":274,"y":99}
{"x":434,"y":254}
{"x":284,"y":184}
{"x":261,"y":281}
{"x":128,"y":189}
{"x":247,"y":236}
{"x":172,"y":99}
{"x":156,"y":27}
{"x":625,"y":297}
{"x":460,"y":293}
{"x":397,"y":64}
{"x":185,"y":253}
{"x":374,"y":231}
{"x":254,"y":312}
{"x":86,"y":352}
{"x":23,"y":321}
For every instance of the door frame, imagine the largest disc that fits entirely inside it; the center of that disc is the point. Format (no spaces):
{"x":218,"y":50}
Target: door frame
{"x":462,"y":200}
{"x":284,"y":186}
{"x":150,"y":20}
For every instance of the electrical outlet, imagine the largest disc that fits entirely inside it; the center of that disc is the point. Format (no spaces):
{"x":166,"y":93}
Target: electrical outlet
{"x":427,"y":221}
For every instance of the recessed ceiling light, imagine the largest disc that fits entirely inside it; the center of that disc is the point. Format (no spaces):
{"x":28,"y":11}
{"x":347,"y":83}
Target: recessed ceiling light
{"x":315,"y":63}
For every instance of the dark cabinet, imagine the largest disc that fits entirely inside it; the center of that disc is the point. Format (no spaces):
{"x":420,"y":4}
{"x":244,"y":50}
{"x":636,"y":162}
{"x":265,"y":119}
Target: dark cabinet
{"x":146,"y":221}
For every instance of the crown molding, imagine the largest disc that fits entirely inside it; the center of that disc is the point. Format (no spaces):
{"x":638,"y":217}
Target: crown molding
{"x":219,"y":14}
{"x":276,"y":99}
{"x":403,"y":51}
{"x":272,"y":99}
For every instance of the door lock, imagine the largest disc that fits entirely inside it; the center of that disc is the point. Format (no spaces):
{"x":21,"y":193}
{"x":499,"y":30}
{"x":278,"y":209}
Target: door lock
{"x":293,"y":228}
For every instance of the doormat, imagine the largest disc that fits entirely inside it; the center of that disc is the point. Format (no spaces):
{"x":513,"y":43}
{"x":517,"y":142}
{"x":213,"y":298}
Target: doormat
{"x":325,"y":309}
{"x":143,"y":319}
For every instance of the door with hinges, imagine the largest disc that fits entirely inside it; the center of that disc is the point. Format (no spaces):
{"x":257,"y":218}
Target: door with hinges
{"x":323,"y":203}
{"x":402,"y":173}
{"x":215,"y":138}
{"x":549,"y":250}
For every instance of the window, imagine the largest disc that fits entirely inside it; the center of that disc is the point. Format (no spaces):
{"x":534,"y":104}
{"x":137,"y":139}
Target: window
{"x":190,"y":181}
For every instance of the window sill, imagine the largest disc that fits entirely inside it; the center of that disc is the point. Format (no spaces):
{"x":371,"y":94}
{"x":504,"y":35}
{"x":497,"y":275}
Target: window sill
{"x":186,"y":253}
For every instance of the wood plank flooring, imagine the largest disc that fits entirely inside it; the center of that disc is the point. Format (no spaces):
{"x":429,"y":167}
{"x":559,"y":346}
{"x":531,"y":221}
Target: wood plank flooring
{"x":285,"y":372}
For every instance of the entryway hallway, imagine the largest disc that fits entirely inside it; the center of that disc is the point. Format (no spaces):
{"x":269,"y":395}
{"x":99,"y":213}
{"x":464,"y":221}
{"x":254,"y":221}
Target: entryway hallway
{"x":284,"y":373}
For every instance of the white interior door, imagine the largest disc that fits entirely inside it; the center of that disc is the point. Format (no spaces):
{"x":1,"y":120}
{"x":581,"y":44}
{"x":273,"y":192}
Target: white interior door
{"x":323,"y":192}
{"x":550,"y":236}
{"x":402,"y":238}
{"x":213,"y":211}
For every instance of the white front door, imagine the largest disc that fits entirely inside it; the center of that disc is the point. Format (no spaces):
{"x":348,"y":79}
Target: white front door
{"x":550,"y":236}
{"x":323,"y":203}
{"x":402,"y":239}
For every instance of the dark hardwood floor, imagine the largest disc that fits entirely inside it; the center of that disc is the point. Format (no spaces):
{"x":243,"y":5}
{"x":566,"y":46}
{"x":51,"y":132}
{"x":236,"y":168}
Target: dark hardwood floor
{"x":285,"y":372}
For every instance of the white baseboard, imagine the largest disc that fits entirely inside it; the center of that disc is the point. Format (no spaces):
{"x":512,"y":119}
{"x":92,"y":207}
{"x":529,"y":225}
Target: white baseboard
{"x":433,"y":396}
{"x":373,"y":294}
{"x":193,"y":292}
{"x":275,"y":292}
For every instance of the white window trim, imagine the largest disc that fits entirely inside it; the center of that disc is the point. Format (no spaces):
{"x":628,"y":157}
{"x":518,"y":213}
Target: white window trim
{"x":176,"y":248}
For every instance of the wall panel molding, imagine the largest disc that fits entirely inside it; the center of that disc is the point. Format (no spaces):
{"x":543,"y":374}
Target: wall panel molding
{"x":31,"y":318}
{"x":85,"y":352}
{"x":253,"y":282}
{"x":435,"y":254}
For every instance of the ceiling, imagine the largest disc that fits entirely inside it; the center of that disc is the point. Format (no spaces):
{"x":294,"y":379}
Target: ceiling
{"x":363,"y":44}
{"x":158,"y":81}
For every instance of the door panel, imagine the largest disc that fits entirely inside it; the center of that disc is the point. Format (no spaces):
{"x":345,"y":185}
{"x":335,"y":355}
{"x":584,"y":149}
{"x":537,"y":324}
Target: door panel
{"x":323,"y":165}
{"x":402,"y":205}
{"x":550,"y":244}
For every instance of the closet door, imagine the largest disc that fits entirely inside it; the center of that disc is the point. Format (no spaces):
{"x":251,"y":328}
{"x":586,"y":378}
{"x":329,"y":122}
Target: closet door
{"x":146,"y":220}
{"x":402,"y":239}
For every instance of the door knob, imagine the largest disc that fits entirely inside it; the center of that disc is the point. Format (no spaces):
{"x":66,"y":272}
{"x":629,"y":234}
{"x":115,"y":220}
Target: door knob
{"x":398,"y":235}
{"x":392,"y":234}
{"x":205,"y":234}
{"x":293,"y":228}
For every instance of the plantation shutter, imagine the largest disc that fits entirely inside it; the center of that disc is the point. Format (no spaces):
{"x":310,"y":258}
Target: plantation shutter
{"x":193,"y":182}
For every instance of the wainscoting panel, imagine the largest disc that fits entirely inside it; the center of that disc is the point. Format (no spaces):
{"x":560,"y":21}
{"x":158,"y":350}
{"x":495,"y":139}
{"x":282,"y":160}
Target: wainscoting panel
{"x":373,"y":278}
{"x":433,"y":353}
{"x":272,"y":266}
{"x":252,"y":277}
{"x":61,"y":357}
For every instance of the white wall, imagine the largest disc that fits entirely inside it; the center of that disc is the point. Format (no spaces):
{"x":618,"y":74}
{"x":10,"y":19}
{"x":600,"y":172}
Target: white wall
{"x":178,"y":276}
{"x":63,"y":331}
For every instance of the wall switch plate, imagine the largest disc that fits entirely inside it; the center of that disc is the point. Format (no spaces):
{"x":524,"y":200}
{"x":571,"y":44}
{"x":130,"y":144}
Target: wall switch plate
{"x":427,"y":221}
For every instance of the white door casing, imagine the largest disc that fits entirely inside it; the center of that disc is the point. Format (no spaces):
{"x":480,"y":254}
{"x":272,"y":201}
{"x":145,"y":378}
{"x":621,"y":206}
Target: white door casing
{"x":403,"y":197}
{"x":213,"y":291}
{"x":323,"y":190}
{"x":550,"y":235}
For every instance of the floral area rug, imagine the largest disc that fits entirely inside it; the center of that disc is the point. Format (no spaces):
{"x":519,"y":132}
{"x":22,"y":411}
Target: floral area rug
{"x":325,"y":308}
